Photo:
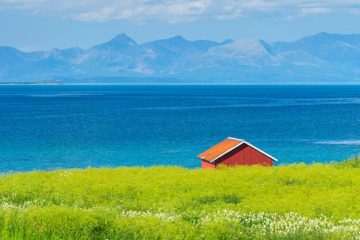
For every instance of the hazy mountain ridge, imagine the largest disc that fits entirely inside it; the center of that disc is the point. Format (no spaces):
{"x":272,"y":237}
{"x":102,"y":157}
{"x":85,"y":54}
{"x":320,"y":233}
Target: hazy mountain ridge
{"x":322,"y":57}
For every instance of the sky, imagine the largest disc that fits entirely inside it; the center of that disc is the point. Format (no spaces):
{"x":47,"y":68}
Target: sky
{"x":45,"y":24}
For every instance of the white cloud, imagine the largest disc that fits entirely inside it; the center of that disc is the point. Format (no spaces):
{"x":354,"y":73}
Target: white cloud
{"x":170,"y":11}
{"x":177,"y":10}
{"x":235,"y":9}
{"x":315,"y":10}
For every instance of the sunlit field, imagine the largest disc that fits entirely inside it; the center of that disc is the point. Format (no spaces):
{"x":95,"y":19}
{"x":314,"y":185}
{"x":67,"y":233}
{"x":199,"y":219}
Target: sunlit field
{"x":285,"y":202}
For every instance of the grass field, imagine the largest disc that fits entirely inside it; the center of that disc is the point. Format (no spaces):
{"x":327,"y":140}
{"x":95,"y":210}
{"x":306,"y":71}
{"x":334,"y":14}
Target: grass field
{"x":284,"y":202}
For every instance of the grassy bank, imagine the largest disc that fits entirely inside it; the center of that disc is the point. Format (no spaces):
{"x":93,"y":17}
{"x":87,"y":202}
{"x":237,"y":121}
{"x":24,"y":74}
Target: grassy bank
{"x":286,"y":202}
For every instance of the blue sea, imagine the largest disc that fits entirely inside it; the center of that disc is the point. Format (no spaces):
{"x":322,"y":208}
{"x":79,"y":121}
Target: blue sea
{"x":65,"y":126}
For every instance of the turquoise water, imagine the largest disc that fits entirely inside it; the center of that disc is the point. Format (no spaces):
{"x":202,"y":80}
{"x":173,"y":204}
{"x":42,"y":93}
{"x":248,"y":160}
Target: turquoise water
{"x":49,"y":127}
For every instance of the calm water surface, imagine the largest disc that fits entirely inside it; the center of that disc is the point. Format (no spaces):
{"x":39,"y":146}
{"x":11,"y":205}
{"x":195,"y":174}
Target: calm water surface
{"x":48,"y":127}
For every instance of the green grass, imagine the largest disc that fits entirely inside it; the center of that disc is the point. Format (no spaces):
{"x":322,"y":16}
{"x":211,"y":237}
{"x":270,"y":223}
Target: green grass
{"x":285,"y":202}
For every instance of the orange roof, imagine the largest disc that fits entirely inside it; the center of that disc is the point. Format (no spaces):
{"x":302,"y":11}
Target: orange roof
{"x":220,"y":149}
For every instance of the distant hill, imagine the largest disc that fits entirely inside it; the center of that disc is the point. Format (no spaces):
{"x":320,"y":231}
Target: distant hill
{"x":321,"y":58}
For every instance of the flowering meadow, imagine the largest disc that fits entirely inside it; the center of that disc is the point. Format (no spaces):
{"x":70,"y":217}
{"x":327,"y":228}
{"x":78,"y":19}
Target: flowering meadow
{"x":320,"y":201}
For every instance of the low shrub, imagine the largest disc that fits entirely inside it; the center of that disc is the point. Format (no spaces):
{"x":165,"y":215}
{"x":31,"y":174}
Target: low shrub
{"x":285,"y":202}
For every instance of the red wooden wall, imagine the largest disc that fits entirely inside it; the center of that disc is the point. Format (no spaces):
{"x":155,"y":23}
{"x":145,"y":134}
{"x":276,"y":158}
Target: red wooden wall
{"x":206,"y":164}
{"x":244,"y":155}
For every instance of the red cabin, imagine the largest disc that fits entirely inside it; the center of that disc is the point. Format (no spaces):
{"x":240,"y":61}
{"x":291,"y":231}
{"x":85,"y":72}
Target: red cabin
{"x":234,"y":152}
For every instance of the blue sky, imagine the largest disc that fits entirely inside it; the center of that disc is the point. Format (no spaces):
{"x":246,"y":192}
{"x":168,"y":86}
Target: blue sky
{"x":45,"y":24}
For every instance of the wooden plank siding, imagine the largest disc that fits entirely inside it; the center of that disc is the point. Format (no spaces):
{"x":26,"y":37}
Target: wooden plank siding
{"x":244,"y":155}
{"x":207,"y":165}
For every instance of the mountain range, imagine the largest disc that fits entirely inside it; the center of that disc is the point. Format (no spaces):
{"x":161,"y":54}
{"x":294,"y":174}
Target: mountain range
{"x":320,"y":58}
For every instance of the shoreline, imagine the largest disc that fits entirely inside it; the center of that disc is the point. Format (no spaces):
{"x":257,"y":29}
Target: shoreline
{"x":350,"y":162}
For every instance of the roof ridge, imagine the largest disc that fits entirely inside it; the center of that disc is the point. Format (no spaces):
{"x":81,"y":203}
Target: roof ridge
{"x":238,"y":139}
